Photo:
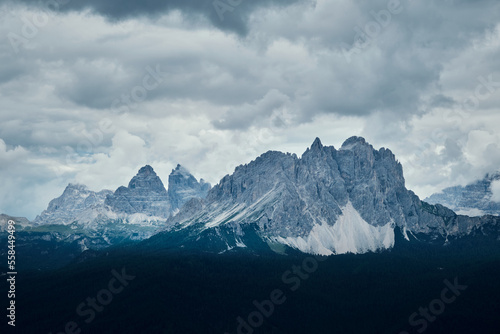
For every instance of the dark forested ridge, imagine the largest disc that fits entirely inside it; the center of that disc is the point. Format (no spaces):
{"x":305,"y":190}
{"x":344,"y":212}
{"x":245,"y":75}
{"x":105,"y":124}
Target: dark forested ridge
{"x":189,"y":291}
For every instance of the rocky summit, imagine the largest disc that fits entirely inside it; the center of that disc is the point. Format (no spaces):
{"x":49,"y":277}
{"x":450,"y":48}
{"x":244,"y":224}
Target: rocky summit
{"x":183,"y":186}
{"x":75,"y":202}
{"x":145,"y":194}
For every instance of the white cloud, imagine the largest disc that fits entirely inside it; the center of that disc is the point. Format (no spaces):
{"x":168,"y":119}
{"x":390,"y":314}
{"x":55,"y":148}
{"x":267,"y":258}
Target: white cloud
{"x":495,"y":189}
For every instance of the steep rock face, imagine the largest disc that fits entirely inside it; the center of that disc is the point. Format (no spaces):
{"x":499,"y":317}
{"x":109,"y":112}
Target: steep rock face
{"x":474,"y":199}
{"x":75,"y":201}
{"x":183,"y":186}
{"x":328,"y":201}
{"x":145,"y":194}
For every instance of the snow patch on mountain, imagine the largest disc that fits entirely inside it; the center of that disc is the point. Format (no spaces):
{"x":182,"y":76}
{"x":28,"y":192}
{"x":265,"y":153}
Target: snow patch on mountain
{"x":240,"y":243}
{"x":350,"y":234}
{"x":405,"y":233}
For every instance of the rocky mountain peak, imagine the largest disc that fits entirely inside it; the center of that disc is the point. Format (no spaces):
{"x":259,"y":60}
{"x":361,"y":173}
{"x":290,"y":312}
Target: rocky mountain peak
{"x":145,"y":194}
{"x":146,"y":170}
{"x":147,"y":179}
{"x":183,"y":186}
{"x":353,"y":142}
{"x":75,"y":199}
{"x":181,"y":171}
{"x":75,"y":187}
{"x":316,"y":144}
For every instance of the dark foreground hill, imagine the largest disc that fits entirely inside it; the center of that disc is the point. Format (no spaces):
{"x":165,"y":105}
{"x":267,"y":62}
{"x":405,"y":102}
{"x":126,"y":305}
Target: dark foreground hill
{"x":188,"y":291}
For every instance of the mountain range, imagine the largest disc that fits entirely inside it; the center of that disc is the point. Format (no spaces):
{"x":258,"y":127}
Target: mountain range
{"x":145,"y":196}
{"x":327,"y":201}
{"x":211,"y":259}
{"x":81,"y":219}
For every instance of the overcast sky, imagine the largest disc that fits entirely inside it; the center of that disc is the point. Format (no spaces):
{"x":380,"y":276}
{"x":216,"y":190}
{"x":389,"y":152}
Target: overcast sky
{"x":92,"y":90}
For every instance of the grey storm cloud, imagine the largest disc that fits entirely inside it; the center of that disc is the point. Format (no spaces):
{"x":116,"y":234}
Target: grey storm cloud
{"x":401,"y":65}
{"x":228,"y":15}
{"x":267,"y":75}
